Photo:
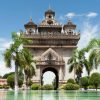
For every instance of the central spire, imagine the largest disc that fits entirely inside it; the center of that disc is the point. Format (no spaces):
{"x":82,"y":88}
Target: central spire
{"x":49,"y":6}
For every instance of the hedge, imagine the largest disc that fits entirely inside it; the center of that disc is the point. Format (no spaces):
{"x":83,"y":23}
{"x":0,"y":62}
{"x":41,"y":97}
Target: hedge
{"x":70,"y":86}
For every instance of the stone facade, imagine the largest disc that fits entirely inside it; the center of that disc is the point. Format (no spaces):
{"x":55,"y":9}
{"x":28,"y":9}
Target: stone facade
{"x":52,"y":45}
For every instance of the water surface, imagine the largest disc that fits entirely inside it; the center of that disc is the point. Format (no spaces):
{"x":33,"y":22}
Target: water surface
{"x":49,"y":95}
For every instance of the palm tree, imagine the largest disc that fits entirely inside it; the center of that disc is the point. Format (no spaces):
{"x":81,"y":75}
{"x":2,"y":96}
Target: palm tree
{"x":94,"y":49}
{"x":14,"y":52}
{"x":88,"y":66}
{"x":28,"y":66}
{"x":94,"y":43}
{"x":76,"y":63}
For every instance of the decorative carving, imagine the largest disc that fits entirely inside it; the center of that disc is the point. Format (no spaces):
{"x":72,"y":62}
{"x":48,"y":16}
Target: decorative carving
{"x":50,"y":57}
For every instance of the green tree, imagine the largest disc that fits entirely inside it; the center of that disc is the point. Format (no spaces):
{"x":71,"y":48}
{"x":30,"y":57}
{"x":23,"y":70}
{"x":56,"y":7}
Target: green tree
{"x":95,"y":80}
{"x":15,"y":53}
{"x":10,"y":80}
{"x":94,"y":43}
{"x":94,"y":48}
{"x":6,"y":75}
{"x":84,"y":82}
{"x":76,"y":63}
{"x":88,"y":65}
{"x":29,"y":73}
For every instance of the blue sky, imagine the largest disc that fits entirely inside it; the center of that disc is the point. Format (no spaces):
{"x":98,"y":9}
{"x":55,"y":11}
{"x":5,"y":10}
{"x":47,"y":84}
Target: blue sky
{"x":15,"y":13}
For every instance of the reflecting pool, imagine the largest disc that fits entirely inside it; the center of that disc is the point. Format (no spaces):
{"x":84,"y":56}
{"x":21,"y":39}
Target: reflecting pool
{"x":49,"y":95}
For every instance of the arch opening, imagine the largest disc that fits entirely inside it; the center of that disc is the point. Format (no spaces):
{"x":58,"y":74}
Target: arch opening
{"x":55,"y":73}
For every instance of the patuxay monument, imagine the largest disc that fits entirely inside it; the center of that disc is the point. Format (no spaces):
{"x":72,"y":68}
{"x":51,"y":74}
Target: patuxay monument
{"x":52,"y":45}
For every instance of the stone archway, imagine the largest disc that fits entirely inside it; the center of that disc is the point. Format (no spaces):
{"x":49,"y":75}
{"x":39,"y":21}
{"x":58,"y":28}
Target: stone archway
{"x":56,"y":74}
{"x":50,"y":60}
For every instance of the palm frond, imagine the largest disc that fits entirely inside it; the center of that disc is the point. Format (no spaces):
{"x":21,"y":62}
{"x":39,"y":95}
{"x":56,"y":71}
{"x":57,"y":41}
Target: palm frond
{"x":71,"y":67}
{"x":8,"y":57}
{"x":92,"y":44}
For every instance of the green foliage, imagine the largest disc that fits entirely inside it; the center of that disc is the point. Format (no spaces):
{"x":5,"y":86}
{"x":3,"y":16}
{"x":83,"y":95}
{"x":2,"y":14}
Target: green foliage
{"x":54,"y":84}
{"x":70,"y":86}
{"x":6,"y":75}
{"x":10,"y":81}
{"x":84,"y":82}
{"x":20,"y":82}
{"x":76,"y":63}
{"x":35,"y":86}
{"x":95,"y":80}
{"x":92,"y":87}
{"x":22,"y":58}
{"x":71,"y":81}
{"x":30,"y":83}
{"x":62,"y":86}
{"x":47,"y":87}
{"x":1,"y":86}
{"x":6,"y":86}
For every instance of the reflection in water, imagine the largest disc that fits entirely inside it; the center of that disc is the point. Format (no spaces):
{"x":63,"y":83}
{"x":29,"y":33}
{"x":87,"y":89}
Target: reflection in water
{"x":56,"y":96}
{"x":25,"y":95}
{"x":16,"y":95}
{"x":3,"y":95}
{"x":48,"y":95}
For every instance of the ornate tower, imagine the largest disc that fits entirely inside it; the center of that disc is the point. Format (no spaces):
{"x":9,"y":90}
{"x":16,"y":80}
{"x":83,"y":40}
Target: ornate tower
{"x":49,"y":25}
{"x":69,"y":28}
{"x":52,"y":48}
{"x":30,"y":27}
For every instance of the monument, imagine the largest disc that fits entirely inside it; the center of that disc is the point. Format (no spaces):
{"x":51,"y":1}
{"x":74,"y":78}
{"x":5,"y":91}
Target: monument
{"x":52,"y":46}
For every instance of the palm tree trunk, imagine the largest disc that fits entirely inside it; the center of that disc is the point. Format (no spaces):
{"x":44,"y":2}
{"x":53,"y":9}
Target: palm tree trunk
{"x":74,"y":73}
{"x":16,"y":76}
{"x":24,"y":83}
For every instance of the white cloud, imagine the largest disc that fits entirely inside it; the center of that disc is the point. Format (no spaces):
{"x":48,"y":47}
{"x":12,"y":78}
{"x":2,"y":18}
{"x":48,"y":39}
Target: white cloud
{"x":3,"y":68}
{"x":92,"y":14}
{"x":4,"y":44}
{"x":70,"y":15}
{"x":88,"y":32}
{"x":89,"y":15}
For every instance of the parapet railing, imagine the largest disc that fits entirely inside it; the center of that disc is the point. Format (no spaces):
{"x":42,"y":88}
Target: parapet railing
{"x":53,"y":36}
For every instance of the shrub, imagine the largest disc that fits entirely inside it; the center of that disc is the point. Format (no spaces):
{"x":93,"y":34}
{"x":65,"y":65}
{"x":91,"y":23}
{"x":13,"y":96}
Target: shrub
{"x":95,"y":80}
{"x":47,"y":87}
{"x":70,"y":86}
{"x":71,"y":81}
{"x":84,"y":82}
{"x":6,"y":87}
{"x":35,"y":86}
{"x":92,"y":87}
{"x":1,"y":86}
{"x":62,"y":86}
